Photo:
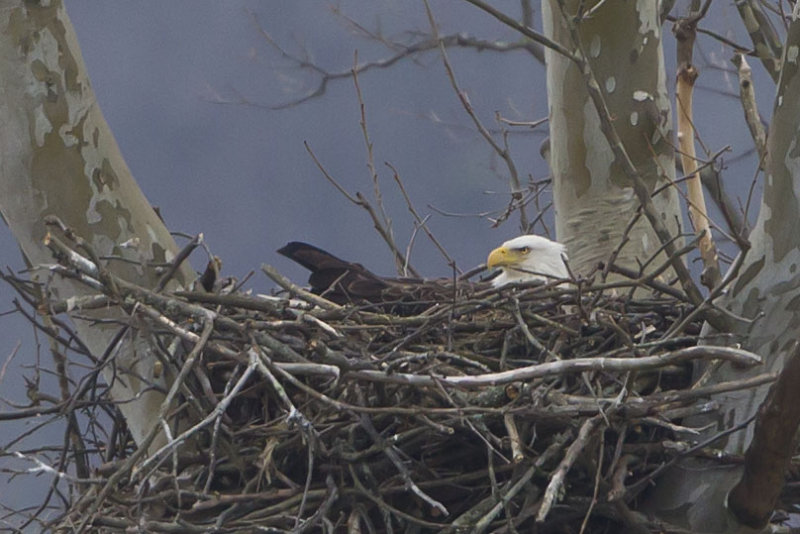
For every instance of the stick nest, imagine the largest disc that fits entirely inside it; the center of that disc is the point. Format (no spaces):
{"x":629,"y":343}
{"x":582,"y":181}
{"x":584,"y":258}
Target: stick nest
{"x":495,"y":411}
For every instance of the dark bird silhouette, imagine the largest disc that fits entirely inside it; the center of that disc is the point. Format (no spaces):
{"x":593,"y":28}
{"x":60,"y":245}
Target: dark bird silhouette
{"x":345,"y":282}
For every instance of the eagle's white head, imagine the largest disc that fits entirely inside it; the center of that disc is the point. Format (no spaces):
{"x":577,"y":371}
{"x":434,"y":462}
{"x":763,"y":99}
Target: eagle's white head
{"x":528,"y":258}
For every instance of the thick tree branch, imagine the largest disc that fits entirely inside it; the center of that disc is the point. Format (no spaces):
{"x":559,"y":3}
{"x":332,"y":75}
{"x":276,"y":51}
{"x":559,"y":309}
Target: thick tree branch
{"x":767,"y":459}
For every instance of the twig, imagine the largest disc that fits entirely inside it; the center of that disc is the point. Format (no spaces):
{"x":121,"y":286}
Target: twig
{"x":176,"y":263}
{"x":618,"y":477}
{"x":524,"y":30}
{"x":401,"y":262}
{"x":502,"y":152}
{"x":297,"y":291}
{"x":420,"y":221}
{"x":8,"y":360}
{"x":597,"y":478}
{"x":132,"y":461}
{"x":156,"y":458}
{"x":738,"y":356}
{"x":557,"y":479}
{"x":362,"y":202}
{"x":634,"y":488}
{"x":389,"y":451}
{"x":42,"y":467}
{"x":554,"y":448}
{"x":513,"y":435}
{"x":404,"y":52}
{"x":383,"y":505}
{"x":735,"y":219}
{"x":550,"y":355}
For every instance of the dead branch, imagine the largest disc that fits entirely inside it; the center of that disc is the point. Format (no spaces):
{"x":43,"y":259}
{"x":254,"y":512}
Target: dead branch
{"x":747,"y":96}
{"x":766,"y":43}
{"x":685,"y":33}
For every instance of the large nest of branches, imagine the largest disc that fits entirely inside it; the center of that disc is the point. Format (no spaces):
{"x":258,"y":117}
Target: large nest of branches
{"x":549,"y":405}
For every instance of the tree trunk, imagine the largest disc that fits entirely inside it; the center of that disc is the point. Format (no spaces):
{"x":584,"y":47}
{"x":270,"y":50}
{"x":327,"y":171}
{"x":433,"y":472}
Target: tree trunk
{"x":767,"y":293}
{"x":59,"y":158}
{"x":594,"y":200}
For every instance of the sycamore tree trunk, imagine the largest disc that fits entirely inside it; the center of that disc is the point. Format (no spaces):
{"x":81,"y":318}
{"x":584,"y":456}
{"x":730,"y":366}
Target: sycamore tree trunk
{"x":594,"y":200}
{"x":59,"y":158}
{"x":767,"y":292}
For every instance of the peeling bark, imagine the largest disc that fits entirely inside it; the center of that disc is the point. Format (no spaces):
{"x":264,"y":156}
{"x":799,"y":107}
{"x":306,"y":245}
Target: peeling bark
{"x":767,"y":292}
{"x":59,"y":158}
{"x":594,"y":200}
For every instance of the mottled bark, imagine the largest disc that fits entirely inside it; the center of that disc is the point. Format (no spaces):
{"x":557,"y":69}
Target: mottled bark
{"x":767,"y":292}
{"x":594,"y":199}
{"x":59,"y":158}
{"x":770,"y":453}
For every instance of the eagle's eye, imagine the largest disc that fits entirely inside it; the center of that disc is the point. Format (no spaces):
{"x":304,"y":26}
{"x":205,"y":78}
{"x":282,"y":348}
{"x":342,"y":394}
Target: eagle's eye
{"x":524,"y":250}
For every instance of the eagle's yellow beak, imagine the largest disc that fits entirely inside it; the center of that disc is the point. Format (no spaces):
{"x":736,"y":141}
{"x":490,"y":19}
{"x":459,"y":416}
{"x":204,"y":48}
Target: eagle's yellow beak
{"x":502,"y":256}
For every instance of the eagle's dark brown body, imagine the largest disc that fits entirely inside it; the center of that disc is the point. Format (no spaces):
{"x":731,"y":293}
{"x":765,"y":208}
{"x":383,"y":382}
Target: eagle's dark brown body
{"x":345,"y":282}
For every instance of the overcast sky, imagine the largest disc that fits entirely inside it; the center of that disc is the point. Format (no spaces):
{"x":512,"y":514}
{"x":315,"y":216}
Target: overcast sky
{"x":187,"y":87}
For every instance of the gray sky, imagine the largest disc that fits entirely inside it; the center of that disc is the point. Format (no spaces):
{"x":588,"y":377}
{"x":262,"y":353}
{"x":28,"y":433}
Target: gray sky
{"x":186,"y":86}
{"x":212,"y":167}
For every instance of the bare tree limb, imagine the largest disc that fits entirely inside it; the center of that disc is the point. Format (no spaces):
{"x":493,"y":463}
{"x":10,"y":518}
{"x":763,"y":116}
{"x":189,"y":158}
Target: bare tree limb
{"x":557,"y":480}
{"x":750,"y":107}
{"x":524,"y":30}
{"x":741,"y":357}
{"x":685,"y":33}
{"x":403,"y":52}
{"x":766,"y":43}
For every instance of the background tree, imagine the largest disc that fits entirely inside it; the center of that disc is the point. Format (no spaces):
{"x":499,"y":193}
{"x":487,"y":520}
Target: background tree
{"x":61,"y":170}
{"x":596,"y":206}
{"x":763,"y":294}
{"x":759,"y":294}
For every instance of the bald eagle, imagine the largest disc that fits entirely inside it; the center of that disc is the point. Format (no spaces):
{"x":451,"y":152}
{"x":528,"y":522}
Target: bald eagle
{"x":525,"y":258}
{"x":528,"y":258}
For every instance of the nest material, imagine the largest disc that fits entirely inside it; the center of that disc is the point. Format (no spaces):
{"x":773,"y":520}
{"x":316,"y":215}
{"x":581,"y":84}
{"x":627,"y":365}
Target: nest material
{"x":492,"y":412}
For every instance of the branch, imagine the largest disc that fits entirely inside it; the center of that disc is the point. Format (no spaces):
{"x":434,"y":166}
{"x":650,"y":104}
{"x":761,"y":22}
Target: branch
{"x":420,"y":222}
{"x":401,"y":262}
{"x":574,"y":450}
{"x":767,"y":459}
{"x":524,"y":30}
{"x":502,"y":151}
{"x":406,"y":51}
{"x":750,"y":107}
{"x":362,"y":202}
{"x":685,"y":33}
{"x":766,"y":43}
{"x":577,"y":365}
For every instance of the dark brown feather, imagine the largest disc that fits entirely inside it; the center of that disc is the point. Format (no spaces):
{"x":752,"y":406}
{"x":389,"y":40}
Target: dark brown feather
{"x":346,"y":282}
